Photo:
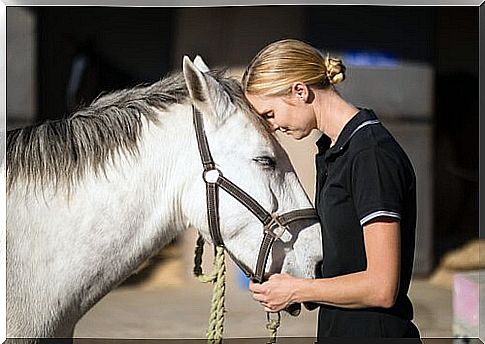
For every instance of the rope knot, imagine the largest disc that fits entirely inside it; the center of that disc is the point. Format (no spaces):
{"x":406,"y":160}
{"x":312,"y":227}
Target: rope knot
{"x":272,"y":326}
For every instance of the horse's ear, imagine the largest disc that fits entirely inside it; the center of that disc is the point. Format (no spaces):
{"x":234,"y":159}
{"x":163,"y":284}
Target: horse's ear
{"x":205,"y":91}
{"x":199,"y":63}
{"x":196,"y":82}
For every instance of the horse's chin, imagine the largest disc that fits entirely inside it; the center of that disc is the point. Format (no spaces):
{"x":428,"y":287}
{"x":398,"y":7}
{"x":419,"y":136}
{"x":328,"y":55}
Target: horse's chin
{"x":298,"y":269}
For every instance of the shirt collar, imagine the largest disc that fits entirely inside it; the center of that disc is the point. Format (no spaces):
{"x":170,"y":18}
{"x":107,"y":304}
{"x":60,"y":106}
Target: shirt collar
{"x":363,"y":118}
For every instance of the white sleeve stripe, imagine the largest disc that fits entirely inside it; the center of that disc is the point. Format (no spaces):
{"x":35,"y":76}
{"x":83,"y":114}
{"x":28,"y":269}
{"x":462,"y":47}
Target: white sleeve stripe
{"x":379,"y":214}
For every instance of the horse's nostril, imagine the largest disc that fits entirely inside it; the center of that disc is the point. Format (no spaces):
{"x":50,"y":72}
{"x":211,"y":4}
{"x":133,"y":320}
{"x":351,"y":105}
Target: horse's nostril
{"x":294,"y":309}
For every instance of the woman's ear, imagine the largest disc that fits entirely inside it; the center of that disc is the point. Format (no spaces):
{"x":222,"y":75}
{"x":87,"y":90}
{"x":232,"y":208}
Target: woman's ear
{"x":300,"y":91}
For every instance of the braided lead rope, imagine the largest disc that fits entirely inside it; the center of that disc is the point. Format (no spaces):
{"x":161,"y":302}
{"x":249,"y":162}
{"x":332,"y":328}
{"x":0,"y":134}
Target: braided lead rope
{"x":218,"y":277}
{"x":272,"y":326}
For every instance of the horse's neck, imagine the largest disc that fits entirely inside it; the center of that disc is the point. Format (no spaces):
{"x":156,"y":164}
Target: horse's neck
{"x":111,"y":223}
{"x":149,"y":194}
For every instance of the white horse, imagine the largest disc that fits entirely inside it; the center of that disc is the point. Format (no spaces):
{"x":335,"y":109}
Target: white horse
{"x":92,"y":196}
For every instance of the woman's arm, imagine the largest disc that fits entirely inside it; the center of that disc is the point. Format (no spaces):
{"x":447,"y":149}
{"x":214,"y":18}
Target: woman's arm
{"x":377,"y":286}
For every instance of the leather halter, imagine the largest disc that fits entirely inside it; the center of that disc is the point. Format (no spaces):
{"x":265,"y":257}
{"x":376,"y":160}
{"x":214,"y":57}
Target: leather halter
{"x":275,"y":226}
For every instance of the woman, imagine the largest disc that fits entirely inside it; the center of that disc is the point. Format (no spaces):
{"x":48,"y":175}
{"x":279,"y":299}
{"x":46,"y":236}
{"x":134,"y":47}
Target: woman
{"x":365,"y":197}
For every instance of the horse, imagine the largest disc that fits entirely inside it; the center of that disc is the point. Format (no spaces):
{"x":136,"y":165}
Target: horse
{"x":92,"y":196}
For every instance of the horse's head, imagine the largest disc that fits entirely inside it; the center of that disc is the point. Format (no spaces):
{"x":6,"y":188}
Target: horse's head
{"x":248,"y":154}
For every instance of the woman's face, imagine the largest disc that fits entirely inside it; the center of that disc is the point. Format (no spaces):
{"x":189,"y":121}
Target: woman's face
{"x":289,"y":114}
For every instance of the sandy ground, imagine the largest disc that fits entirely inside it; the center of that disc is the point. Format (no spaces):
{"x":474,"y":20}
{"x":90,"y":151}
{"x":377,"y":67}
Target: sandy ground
{"x":170,"y":303}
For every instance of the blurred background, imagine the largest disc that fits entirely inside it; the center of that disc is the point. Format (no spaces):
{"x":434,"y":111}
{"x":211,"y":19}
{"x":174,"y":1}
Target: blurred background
{"x":417,"y":67}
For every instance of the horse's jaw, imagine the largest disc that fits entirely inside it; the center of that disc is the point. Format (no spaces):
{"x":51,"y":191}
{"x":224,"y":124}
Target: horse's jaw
{"x":307,"y":253}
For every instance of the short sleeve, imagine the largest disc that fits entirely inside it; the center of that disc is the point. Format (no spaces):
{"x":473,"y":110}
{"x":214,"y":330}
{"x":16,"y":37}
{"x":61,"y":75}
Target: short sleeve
{"x":378,"y":185}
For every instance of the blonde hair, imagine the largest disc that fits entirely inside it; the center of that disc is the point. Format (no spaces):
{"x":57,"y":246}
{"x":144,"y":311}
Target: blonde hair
{"x":278,"y":65}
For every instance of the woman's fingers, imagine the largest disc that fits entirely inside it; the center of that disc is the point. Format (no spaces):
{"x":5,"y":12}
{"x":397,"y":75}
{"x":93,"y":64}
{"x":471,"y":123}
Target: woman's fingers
{"x":256,"y":287}
{"x":259,"y":297}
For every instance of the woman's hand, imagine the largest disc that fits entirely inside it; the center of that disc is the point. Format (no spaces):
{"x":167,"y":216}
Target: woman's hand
{"x":275,"y":294}
{"x":377,"y":286}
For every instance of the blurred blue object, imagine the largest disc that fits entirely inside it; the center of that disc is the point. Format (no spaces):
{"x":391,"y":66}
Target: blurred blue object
{"x":242,"y":279}
{"x":370,"y":58}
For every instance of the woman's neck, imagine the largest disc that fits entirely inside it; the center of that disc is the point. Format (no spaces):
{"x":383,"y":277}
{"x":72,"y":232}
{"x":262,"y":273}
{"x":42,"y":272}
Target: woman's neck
{"x":332,"y":113}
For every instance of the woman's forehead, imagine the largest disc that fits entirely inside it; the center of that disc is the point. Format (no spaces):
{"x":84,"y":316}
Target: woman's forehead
{"x":261,"y":103}
{"x":259,"y":122}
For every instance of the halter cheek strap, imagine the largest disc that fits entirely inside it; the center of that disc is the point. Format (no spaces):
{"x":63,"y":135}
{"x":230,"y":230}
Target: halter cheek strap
{"x":275,"y":226}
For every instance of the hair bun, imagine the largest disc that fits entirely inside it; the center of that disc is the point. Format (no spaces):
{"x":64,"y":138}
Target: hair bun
{"x":335,"y":70}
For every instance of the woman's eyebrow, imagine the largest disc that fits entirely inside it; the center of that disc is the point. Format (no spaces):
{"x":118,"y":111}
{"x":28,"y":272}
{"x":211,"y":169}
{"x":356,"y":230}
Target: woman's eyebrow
{"x":262,"y":113}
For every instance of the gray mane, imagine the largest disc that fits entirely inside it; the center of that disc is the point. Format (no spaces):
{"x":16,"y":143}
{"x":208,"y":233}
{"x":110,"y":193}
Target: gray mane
{"x":61,"y":151}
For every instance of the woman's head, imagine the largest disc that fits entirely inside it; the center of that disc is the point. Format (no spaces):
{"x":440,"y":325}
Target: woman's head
{"x":279,"y":65}
{"x":282,"y":81}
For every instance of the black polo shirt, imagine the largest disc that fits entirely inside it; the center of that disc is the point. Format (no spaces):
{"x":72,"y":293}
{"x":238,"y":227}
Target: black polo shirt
{"x":365,"y":175}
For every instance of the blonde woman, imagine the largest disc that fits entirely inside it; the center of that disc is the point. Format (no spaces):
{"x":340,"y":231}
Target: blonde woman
{"x":365,"y":197}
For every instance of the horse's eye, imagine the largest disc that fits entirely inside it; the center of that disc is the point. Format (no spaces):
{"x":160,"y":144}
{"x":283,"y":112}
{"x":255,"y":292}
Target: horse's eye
{"x":265,"y":161}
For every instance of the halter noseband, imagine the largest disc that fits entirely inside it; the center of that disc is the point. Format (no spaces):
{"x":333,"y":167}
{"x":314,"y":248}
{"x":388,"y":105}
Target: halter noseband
{"x":275,"y":226}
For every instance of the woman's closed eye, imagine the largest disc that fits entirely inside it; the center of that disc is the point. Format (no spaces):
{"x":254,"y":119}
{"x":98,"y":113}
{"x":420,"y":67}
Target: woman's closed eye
{"x":268,"y":115}
{"x":265,"y":161}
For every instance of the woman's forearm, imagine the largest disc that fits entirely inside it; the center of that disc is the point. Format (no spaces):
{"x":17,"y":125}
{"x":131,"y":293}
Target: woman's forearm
{"x":377,"y":286}
{"x":356,"y":290}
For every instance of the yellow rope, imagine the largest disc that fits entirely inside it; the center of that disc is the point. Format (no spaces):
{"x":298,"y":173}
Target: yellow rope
{"x":218,"y":277}
{"x":272,"y":326}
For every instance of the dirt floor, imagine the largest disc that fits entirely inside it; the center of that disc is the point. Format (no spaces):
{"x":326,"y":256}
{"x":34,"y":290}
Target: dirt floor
{"x":164,"y":300}
{"x":172,"y":304}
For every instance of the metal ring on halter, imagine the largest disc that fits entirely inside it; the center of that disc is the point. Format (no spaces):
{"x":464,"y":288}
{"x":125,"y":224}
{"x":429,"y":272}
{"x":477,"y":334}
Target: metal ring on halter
{"x":211,"y":176}
{"x":279,"y":229}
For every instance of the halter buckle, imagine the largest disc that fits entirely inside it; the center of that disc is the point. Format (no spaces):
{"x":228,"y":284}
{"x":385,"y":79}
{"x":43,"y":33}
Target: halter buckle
{"x":277,"y":230}
{"x":211,"y":176}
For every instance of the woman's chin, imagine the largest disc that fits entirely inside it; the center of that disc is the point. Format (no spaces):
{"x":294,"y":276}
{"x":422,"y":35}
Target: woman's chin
{"x":297,"y":135}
